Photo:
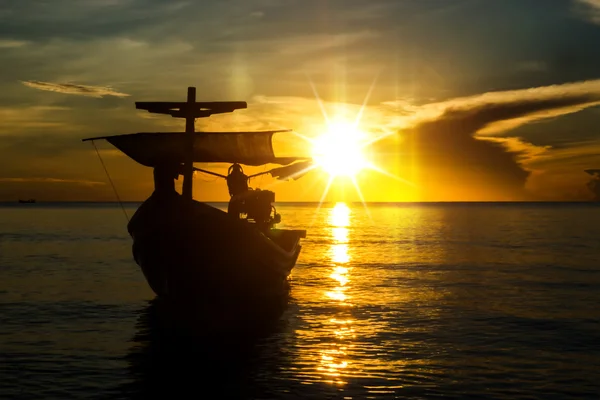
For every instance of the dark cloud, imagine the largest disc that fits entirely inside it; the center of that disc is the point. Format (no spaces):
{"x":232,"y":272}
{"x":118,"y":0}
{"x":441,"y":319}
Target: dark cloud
{"x":452,"y":158}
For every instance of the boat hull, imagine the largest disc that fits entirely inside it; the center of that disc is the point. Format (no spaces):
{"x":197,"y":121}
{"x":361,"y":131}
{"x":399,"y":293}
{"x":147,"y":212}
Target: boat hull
{"x":201,"y":256}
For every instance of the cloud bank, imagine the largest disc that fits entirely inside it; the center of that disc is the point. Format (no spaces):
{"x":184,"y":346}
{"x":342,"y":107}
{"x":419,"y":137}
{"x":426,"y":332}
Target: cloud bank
{"x":464,"y":145}
{"x":70,"y":88}
{"x":592,"y":9}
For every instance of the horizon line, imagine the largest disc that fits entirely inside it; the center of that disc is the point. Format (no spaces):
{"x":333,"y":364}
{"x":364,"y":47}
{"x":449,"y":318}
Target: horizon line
{"x":312,"y":202}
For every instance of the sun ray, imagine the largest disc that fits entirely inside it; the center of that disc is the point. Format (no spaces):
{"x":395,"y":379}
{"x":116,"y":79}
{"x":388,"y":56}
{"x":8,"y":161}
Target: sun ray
{"x":331,"y":178}
{"x":362,"y":198}
{"x":390,"y":175}
{"x":301,"y":172}
{"x":303,"y":137}
{"x":321,"y":105}
{"x":365,"y":101}
{"x":378,"y":138}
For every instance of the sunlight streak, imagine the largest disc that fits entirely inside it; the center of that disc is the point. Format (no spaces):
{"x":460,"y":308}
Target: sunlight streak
{"x":303,"y":137}
{"x":365,"y":101}
{"x":362,"y":198}
{"x":321,"y":105}
{"x":376,"y":139}
{"x":331,"y":178}
{"x":294,"y":175}
{"x":388,"y":174}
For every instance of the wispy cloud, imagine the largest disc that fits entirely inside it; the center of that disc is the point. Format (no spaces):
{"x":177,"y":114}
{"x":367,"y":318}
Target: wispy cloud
{"x":489,"y":112}
{"x":51,"y":180}
{"x":71,"y":88}
{"x":35,"y":118}
{"x":8,"y":43}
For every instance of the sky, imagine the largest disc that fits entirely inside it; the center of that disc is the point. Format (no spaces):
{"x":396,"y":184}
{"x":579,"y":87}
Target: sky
{"x":474,"y":100}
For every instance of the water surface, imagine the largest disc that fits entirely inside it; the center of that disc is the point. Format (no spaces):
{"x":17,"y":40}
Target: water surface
{"x":416,"y":301}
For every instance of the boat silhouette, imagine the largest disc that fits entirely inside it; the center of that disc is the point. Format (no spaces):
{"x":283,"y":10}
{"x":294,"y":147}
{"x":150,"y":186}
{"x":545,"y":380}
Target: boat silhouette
{"x":229,"y":266}
{"x":26,"y":201}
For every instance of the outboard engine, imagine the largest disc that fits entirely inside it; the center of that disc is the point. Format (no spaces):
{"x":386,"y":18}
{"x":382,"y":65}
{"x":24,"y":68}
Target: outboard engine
{"x":257,"y":205}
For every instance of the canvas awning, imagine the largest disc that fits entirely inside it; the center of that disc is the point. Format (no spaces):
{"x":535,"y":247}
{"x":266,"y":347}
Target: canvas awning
{"x":153,"y":148}
{"x":593,"y":171}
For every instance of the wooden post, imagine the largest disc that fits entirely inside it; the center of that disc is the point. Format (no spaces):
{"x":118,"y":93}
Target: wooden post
{"x":188,"y":166}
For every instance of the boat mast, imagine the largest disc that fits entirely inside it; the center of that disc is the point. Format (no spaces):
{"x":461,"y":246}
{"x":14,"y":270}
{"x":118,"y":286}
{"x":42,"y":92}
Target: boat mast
{"x":188,"y":164}
{"x":190,"y":110}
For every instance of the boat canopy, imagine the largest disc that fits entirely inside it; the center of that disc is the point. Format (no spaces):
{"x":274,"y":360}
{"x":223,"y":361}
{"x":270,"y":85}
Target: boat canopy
{"x":154,"y":148}
{"x":593,"y":171}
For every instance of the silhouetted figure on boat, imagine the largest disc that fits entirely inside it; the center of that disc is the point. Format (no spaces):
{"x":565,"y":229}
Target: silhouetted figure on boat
{"x":256,"y":204}
{"x":237,"y":181}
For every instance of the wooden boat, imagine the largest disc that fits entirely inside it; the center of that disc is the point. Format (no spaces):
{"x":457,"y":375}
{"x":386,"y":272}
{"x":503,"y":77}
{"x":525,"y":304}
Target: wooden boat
{"x":192,"y":253}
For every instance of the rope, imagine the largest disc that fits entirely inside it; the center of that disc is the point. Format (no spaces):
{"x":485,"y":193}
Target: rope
{"x":210,"y":180}
{"x":262,"y":176}
{"x":111,"y":182}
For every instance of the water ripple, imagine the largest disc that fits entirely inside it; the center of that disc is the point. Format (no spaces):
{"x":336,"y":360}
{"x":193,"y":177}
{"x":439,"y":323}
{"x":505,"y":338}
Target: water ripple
{"x":417,"y":302}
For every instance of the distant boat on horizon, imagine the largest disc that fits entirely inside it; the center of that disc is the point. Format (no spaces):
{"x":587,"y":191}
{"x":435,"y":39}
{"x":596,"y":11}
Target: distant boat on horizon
{"x":27,"y":201}
{"x":594,"y":184}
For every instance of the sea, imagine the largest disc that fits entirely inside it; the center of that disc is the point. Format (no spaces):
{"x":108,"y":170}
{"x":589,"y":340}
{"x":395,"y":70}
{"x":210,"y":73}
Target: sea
{"x":387,"y":301}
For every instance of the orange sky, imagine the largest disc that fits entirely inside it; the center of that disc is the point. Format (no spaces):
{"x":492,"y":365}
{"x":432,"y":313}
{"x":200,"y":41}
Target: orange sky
{"x":505,"y":110}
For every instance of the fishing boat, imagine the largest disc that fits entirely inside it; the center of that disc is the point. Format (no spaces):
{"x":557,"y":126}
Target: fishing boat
{"x":195,"y":254}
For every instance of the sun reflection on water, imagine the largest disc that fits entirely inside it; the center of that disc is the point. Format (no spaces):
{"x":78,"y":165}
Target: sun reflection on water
{"x":339,"y":254}
{"x":340,"y":235}
{"x":334,"y":359}
{"x":340,"y":215}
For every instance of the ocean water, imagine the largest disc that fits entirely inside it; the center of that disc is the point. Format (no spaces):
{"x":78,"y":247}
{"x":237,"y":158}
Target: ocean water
{"x":394,"y":301}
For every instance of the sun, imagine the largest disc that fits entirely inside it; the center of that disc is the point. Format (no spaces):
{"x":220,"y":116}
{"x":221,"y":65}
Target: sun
{"x":339,"y":150}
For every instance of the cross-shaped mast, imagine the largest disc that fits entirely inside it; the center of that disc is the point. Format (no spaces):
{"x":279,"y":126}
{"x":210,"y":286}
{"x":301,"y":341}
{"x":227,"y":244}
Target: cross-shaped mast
{"x":190,"y":110}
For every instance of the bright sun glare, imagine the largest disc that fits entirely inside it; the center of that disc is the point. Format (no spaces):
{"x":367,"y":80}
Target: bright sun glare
{"x":339,"y":151}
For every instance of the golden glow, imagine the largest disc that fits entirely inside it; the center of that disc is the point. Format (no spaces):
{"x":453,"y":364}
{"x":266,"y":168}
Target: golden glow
{"x":340,"y":253}
{"x":340,"y":218}
{"x":340,"y":235}
{"x":334,"y":361}
{"x":339,"y":274}
{"x":337,"y":294}
{"x":339,"y":150}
